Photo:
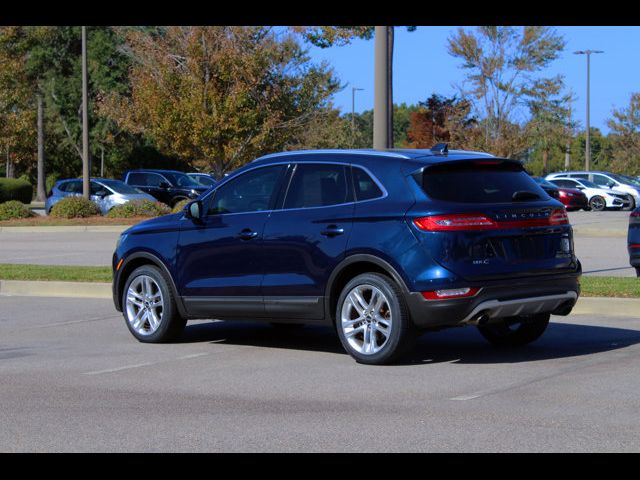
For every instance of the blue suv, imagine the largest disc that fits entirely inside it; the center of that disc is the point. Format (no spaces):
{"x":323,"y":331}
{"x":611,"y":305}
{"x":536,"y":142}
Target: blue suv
{"x":383,"y":245}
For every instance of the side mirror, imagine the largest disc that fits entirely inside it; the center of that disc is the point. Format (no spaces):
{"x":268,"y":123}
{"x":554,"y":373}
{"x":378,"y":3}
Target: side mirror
{"x":102,"y":193}
{"x":193,"y":210}
{"x":580,"y":187}
{"x":164,"y":185}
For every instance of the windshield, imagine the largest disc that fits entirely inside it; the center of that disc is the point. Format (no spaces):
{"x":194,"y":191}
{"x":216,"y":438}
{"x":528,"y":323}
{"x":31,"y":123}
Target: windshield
{"x":180,"y":179}
{"x":120,"y":187}
{"x":627,"y":179}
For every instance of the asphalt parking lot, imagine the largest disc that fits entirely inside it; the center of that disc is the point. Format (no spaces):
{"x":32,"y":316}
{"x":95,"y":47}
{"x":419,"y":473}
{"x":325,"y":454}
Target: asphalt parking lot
{"x":74,"y":379}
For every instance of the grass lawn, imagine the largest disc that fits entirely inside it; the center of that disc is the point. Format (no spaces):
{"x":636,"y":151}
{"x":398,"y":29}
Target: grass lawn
{"x":65,"y":273}
{"x":628,"y":287}
{"x":46,"y":221}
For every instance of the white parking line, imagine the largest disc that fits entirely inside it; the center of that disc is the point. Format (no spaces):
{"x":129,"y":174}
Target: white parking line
{"x":146,"y":364}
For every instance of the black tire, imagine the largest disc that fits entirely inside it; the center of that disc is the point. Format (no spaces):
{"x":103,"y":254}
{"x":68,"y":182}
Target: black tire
{"x":402,"y":331}
{"x":597,"y":203}
{"x":637,"y":271}
{"x":515,"y":331}
{"x":171,"y":323}
{"x":632,"y":203}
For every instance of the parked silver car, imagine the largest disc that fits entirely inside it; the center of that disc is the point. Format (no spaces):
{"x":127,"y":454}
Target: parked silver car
{"x":106,"y":193}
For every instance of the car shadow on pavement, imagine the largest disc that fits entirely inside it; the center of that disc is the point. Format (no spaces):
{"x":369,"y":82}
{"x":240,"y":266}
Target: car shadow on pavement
{"x":456,"y":345}
{"x":308,"y":337}
{"x":560,"y":340}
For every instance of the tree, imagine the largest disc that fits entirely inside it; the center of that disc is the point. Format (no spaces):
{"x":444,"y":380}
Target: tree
{"x":549,"y":122}
{"x":625,"y":133}
{"x":436,"y":119}
{"x":218,"y":96}
{"x":501,"y":63}
{"x":17,"y":104}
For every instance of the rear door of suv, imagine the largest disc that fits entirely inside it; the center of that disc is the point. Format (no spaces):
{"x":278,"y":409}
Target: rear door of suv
{"x":487,"y":219}
{"x":306,"y":238}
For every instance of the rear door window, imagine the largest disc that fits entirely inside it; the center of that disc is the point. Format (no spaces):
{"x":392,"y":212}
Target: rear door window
{"x":318,"y":185}
{"x":480,"y":181}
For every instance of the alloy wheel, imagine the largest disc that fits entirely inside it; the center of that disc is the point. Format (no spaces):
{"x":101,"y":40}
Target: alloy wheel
{"x":366,"y":319}
{"x":144,"y":305}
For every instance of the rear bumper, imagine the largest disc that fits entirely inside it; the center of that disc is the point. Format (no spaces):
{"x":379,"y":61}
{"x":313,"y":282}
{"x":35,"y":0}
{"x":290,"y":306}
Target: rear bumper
{"x":556,"y":295}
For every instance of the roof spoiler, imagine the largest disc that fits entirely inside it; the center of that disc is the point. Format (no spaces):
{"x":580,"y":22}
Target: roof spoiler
{"x":440,"y":149}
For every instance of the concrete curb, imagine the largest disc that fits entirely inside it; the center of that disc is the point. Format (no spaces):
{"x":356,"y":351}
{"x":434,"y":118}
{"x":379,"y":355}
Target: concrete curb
{"x":55,"y":289}
{"x":623,"y":307}
{"x":68,"y":228}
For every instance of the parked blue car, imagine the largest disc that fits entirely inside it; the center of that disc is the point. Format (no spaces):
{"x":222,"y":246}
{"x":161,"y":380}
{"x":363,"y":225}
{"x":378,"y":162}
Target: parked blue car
{"x":382,"y":245}
{"x":633,"y":240}
{"x":106,"y":193}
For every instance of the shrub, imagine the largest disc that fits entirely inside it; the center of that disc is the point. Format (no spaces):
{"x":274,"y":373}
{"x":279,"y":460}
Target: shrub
{"x":139,"y":208}
{"x":14,"y":209}
{"x":15,"y":189}
{"x":74,"y":207}
{"x":178,"y":207}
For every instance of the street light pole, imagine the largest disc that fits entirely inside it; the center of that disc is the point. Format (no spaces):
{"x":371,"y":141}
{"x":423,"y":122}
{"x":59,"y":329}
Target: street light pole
{"x":86,"y":166}
{"x":353,"y":112}
{"x":381,"y":90}
{"x":587,"y":153}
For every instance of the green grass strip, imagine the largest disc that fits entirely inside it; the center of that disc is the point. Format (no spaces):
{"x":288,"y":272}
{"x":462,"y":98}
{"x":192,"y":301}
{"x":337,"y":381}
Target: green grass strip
{"x":626,"y":287}
{"x":64,"y":273}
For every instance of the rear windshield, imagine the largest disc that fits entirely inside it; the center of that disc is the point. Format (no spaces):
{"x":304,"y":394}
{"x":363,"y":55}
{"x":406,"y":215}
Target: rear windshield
{"x":481,"y":181}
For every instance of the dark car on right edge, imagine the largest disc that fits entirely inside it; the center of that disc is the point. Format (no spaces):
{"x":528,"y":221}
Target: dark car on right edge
{"x":380,"y":244}
{"x":167,"y":186}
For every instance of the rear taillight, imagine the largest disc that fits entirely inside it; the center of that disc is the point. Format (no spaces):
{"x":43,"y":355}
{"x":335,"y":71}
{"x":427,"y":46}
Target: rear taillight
{"x":458,"y":221}
{"x":479,"y":221}
{"x":450,"y":293}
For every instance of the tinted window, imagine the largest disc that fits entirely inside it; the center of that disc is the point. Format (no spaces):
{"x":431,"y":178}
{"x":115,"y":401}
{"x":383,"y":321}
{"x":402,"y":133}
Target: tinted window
{"x":250,"y":192}
{"x":204,"y":180}
{"x":579,"y":175}
{"x":145,"y":179}
{"x":181,"y":179}
{"x":71,"y":187}
{"x":94,"y":188}
{"x":120,"y":187}
{"x":479,"y":182}
{"x":317,"y":185}
{"x":365,"y":187}
{"x":601,"y":180}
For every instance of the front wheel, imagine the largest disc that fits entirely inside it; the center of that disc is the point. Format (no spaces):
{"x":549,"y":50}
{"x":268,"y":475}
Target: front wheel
{"x":149,"y":308}
{"x":373,"y":321}
{"x":515,"y":331}
{"x":597,"y":203}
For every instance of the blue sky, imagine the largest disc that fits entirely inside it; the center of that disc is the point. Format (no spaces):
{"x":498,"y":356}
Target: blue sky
{"x":422,"y":66}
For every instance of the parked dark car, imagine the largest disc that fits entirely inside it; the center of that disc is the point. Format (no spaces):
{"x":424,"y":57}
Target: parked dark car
{"x":382,"y":245}
{"x":203,"y":179}
{"x":167,"y":186}
{"x":571,"y":198}
{"x":633,"y":240}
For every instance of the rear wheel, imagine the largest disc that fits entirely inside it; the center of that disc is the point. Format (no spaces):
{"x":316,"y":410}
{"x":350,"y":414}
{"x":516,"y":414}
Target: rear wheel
{"x":515,"y":331}
{"x":373,"y":321}
{"x":597,"y":203}
{"x":149,"y":308}
{"x":637,"y":271}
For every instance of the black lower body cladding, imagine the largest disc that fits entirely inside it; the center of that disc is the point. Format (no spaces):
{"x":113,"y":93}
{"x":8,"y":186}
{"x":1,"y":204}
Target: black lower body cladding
{"x":546,"y":294}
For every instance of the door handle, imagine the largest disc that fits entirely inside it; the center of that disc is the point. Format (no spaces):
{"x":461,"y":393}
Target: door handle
{"x":332,"y":231}
{"x":247,"y":234}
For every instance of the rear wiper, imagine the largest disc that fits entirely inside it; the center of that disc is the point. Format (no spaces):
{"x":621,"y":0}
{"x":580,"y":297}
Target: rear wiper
{"x":521,"y":195}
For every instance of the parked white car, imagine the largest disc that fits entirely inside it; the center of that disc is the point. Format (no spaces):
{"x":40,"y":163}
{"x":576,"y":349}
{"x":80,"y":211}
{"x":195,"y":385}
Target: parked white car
{"x":607,"y":181}
{"x":599,"y":198}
